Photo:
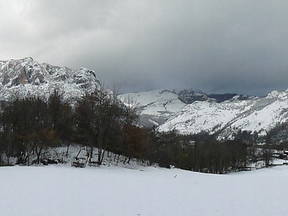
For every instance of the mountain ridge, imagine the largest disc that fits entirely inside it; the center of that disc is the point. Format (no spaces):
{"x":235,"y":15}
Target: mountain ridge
{"x":251,"y":113}
{"x":187,"y":111}
{"x":22,"y":77}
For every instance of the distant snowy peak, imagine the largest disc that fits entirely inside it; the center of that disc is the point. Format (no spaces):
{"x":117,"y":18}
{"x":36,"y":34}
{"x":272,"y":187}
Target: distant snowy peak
{"x":154,"y":102}
{"x":26,"y":76}
{"x":155,"y":107}
{"x":189,"y":96}
{"x":224,"y":115}
{"x":205,"y":116}
{"x":255,"y":114}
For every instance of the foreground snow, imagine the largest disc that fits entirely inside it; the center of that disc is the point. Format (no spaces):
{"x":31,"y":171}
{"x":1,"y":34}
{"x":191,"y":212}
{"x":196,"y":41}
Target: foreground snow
{"x":34,"y":191}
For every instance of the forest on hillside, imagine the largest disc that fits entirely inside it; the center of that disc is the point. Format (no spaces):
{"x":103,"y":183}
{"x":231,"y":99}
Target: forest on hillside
{"x":99,"y":121}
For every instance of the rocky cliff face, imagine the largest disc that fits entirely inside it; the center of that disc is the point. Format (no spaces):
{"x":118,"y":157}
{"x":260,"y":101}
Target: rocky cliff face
{"x":23,"y":77}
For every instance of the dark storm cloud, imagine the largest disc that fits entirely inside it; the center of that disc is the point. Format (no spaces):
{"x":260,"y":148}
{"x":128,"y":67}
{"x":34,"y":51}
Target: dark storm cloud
{"x":223,"y":45}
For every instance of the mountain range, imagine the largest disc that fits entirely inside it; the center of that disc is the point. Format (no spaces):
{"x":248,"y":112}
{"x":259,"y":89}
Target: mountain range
{"x":166,"y":110}
{"x":186,"y":111}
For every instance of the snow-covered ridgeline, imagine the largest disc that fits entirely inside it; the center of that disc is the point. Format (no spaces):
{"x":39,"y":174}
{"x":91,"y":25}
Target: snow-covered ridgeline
{"x":166,"y":109}
{"x":155,"y":107}
{"x":256,"y":115}
{"x":22,"y":77}
{"x":168,"y":112}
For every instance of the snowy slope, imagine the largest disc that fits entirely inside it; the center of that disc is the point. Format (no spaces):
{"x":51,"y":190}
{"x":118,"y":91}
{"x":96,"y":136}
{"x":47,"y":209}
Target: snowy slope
{"x":155,"y":107}
{"x":53,"y":191}
{"x":205,"y":116}
{"x":166,"y":109}
{"x":22,"y":77}
{"x":256,"y":114}
{"x":265,"y":114}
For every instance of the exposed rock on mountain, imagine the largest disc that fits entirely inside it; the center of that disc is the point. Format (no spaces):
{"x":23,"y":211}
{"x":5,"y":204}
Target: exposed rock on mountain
{"x":186,"y":111}
{"x":189,"y":96}
{"x":22,"y":77}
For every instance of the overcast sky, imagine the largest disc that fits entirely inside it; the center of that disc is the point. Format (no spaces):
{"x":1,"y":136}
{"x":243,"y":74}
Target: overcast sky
{"x":213,"y":45}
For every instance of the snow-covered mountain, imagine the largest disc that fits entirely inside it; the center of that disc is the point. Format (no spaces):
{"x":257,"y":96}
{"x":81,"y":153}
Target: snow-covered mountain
{"x":155,"y":107}
{"x":22,"y":77}
{"x":189,"y":96}
{"x":256,"y":115}
{"x":187,"y":111}
{"x":167,"y":110}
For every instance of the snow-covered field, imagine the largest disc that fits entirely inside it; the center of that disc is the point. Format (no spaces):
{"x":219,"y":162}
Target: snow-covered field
{"x":61,"y":191}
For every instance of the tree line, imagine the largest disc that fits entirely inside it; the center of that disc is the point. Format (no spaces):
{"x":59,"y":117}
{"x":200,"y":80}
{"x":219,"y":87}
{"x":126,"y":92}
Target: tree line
{"x":102,"y":123}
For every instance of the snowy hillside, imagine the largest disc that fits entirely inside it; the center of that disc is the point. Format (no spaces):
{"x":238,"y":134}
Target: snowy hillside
{"x":257,"y":114}
{"x":47,"y":191}
{"x":205,"y":116}
{"x":22,"y":77}
{"x":169,"y":111}
{"x":155,"y":107}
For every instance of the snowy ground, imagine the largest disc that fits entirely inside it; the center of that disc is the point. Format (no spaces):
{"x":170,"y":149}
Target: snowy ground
{"x":64,"y":191}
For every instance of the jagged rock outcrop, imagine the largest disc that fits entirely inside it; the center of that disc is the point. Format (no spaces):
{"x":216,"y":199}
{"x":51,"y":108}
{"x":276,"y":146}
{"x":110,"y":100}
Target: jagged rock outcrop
{"x":23,"y":77}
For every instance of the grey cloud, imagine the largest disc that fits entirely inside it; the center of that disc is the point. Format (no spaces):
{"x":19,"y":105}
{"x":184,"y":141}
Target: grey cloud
{"x":214,"y":45}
